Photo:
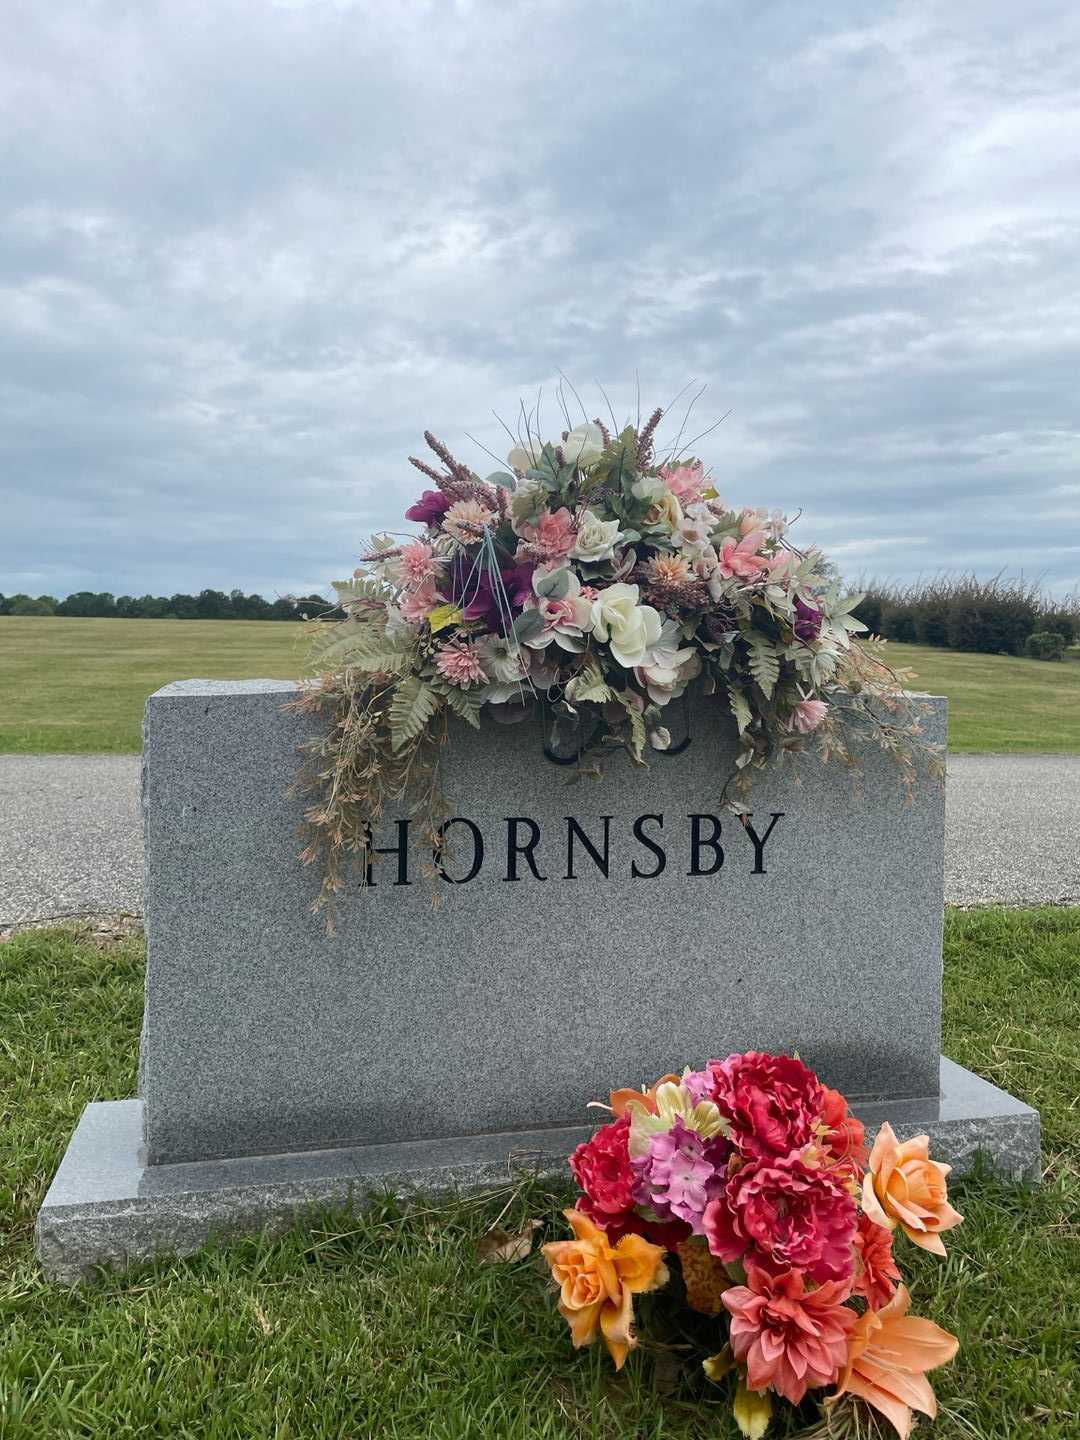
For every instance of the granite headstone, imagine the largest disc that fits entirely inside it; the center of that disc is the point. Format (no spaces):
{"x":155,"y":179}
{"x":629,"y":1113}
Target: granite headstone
{"x":579,"y":937}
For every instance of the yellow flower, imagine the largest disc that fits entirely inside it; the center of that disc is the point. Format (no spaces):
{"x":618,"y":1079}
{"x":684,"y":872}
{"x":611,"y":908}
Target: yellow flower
{"x":752,"y":1411}
{"x":598,"y":1281}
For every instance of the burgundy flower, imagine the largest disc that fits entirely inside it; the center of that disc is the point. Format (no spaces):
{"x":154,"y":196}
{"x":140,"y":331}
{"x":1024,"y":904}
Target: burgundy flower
{"x":772,"y":1101}
{"x":785,"y":1214}
{"x":477,"y":593}
{"x":808,"y":619}
{"x":602,"y":1168}
{"x":429,"y":507}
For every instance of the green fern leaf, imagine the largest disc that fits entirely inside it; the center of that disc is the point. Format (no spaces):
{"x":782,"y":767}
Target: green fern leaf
{"x":413,"y":705}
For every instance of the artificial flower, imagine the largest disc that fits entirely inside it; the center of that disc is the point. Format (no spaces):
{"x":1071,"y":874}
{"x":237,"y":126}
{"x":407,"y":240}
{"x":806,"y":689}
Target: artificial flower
{"x":431,"y":505}
{"x":785,"y":1213}
{"x":808,"y":618}
{"x":602,"y":1168}
{"x":418,"y":563}
{"x":460,"y":664}
{"x":596,"y":539}
{"x":621,"y":1100}
{"x":417,"y":603}
{"x":673,"y":1101}
{"x":889,"y":1353}
{"x":904,"y":1187}
{"x":598,"y":1281}
{"x":789,"y":1338}
{"x":564,"y":617}
{"x":466,"y":520}
{"x":740,"y":557}
{"x":842,"y":1133}
{"x":772,"y":1101}
{"x":686,"y":482}
{"x":876,"y":1272}
{"x":583,"y":446}
{"x":806,"y":715}
{"x":629,"y":629}
{"x":668,"y":668}
{"x":680,"y":1173}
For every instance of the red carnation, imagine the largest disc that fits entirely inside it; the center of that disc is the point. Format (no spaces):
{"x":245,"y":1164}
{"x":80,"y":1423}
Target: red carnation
{"x":602,"y":1168}
{"x":876,"y":1272}
{"x":772,"y":1101}
{"x":785,"y":1214}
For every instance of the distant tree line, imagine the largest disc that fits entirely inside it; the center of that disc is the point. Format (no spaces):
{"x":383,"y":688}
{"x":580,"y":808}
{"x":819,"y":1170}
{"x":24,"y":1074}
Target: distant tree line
{"x":207,"y":605}
{"x":962,"y":612}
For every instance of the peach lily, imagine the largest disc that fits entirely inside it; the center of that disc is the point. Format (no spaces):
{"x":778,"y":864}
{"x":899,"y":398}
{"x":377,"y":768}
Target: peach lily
{"x":904,"y":1187}
{"x":889,"y":1352}
{"x":598,"y":1281}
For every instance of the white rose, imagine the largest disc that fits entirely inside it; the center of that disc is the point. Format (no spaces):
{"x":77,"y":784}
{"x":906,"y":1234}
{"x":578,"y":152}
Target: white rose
{"x":630,"y":629}
{"x":583,"y":446}
{"x":524,"y":457}
{"x":596,"y":538}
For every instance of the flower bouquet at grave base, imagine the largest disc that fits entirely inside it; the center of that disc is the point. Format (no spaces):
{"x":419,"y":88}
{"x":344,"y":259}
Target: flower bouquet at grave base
{"x":746,"y":1192}
{"x":598,"y":575}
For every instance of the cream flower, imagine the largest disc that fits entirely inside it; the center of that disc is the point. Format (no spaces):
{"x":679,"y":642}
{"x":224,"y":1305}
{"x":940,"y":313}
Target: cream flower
{"x":667,"y":669}
{"x":673,"y":1102}
{"x":596,"y":538}
{"x":630,"y":629}
{"x":583,"y":446}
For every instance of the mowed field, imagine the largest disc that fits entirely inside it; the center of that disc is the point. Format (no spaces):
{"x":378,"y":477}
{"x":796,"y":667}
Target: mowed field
{"x":79,"y":686}
{"x":72,"y":686}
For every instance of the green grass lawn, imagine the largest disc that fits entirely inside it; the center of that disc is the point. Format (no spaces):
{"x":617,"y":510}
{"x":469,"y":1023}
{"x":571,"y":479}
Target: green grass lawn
{"x":383,"y":1324}
{"x":79,"y":686}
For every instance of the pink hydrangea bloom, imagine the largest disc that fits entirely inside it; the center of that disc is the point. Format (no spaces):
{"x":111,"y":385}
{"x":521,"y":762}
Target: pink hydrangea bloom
{"x":790,"y":1339}
{"x":785,"y":1214}
{"x":680,"y":1174}
{"x":459,"y":663}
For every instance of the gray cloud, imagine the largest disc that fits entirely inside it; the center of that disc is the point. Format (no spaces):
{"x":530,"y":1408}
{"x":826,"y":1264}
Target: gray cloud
{"x":248,"y":252}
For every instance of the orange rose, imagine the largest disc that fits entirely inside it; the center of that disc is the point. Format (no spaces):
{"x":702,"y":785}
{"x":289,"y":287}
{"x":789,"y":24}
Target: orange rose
{"x":904,"y":1187}
{"x":597,"y":1283}
{"x":889,"y":1353}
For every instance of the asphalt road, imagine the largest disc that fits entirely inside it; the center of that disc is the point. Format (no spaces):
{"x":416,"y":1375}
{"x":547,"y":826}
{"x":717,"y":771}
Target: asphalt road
{"x":70,"y":844}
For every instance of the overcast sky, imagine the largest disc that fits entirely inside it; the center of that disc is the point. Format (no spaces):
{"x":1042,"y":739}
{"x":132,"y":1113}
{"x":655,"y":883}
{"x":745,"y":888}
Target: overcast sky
{"x":249,"y":251}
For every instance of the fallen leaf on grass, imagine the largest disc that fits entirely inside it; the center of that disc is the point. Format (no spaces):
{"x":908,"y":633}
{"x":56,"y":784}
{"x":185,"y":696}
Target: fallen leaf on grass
{"x":499,"y":1248}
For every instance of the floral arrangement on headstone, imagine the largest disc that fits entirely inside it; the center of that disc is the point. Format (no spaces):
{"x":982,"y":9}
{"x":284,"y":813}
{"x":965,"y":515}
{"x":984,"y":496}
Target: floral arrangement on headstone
{"x":746,"y":1191}
{"x":597,"y":578}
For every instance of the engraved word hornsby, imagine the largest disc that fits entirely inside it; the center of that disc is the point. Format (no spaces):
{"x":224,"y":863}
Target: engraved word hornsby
{"x":517,"y":848}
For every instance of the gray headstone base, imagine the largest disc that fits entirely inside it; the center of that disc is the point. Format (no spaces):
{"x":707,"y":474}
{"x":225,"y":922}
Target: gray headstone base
{"x":106,"y":1206}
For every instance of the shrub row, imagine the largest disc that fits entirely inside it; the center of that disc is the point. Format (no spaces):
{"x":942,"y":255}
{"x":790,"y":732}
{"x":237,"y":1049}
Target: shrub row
{"x":207,"y":605}
{"x":962,"y":612}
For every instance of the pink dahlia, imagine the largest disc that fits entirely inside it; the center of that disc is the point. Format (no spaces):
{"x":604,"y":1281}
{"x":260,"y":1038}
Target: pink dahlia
{"x":602,"y":1168}
{"x":785,"y":1214}
{"x":772,"y":1101}
{"x":418,"y":563}
{"x":789,"y":1338}
{"x":680,"y":1174}
{"x":459,"y":663}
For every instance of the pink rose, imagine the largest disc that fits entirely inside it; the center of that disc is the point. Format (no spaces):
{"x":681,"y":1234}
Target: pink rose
{"x":785,"y":1214}
{"x":772,"y":1101}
